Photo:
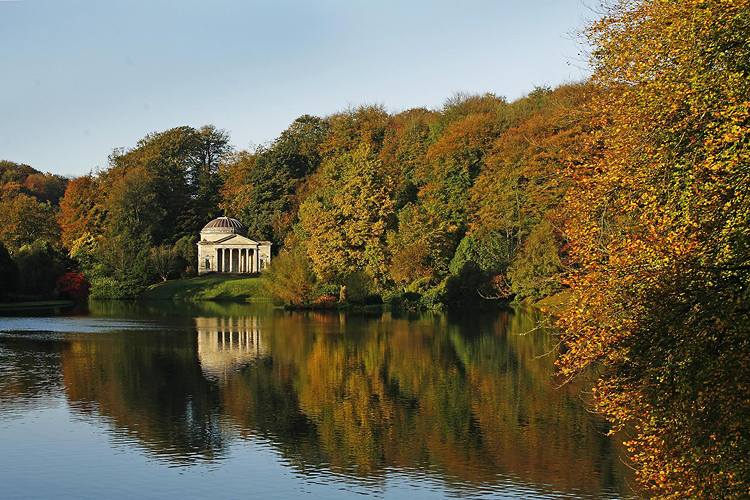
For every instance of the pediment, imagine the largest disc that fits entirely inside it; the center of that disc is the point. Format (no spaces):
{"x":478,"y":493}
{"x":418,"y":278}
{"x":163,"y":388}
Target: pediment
{"x":235,"y":239}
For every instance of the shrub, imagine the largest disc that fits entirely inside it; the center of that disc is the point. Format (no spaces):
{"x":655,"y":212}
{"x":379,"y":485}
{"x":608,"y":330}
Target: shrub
{"x":358,"y":287}
{"x":434,"y":298}
{"x":73,"y":285}
{"x":289,"y":279}
{"x":325,"y":302}
{"x":373,"y":299}
{"x":110,"y":288}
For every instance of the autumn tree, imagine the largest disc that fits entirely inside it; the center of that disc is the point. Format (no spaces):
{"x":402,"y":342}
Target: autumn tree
{"x":81,"y":211}
{"x":346,"y":216}
{"x":158,"y":193}
{"x":25,"y":179}
{"x":290,"y":279}
{"x":658,"y":226}
{"x":24,"y":220}
{"x":356,"y":127}
{"x":421,"y":245}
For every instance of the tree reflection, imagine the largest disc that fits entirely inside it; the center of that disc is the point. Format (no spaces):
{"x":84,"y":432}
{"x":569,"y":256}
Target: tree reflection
{"x":29,"y":371}
{"x":472,"y":398}
{"x":148,"y":384}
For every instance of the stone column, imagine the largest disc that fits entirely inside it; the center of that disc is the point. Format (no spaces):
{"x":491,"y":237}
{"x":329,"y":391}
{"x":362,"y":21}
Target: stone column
{"x":257,"y":260}
{"x":218,"y":260}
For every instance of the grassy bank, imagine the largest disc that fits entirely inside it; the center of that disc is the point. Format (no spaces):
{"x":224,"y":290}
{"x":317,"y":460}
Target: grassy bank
{"x":235,"y":288}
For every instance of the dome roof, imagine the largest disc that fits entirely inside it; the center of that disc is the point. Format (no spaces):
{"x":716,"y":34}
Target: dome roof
{"x":225,"y":225}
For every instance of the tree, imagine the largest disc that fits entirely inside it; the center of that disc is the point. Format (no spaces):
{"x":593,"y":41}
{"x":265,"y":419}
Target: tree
{"x":537,"y":267}
{"x":261,"y":188}
{"x":9,"y":272}
{"x":211,"y":148}
{"x":81,"y":210}
{"x":346,"y":217}
{"x":658,"y":230}
{"x":186,"y":255}
{"x":289,"y":279}
{"x":163,"y":261}
{"x":24,"y":220}
{"x":133,"y":205}
{"x":524,"y":179}
{"x":175,"y":172}
{"x":40,"y":265}
{"x":74,"y":285}
{"x":25,"y":179}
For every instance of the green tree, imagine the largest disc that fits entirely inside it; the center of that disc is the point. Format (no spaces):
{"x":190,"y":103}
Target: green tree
{"x":187,"y":255}
{"x":163,"y":261}
{"x":175,"y":173}
{"x":211,"y":147}
{"x":9,"y":272}
{"x":40,"y":265}
{"x":261,"y":188}
{"x":536,"y":270}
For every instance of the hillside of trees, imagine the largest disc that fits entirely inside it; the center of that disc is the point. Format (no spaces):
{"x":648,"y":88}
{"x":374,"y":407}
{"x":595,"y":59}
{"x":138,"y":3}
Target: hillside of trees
{"x":423,"y":208}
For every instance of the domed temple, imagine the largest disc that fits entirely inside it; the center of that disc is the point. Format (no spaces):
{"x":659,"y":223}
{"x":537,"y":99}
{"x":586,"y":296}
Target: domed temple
{"x":225,"y":248}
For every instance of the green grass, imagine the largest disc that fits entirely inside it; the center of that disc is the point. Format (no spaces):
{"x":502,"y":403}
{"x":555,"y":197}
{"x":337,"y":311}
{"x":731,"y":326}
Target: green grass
{"x":235,"y":288}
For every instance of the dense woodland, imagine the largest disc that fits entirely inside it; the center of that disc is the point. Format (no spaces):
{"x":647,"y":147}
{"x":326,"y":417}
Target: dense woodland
{"x":434,"y":208}
{"x":627,"y":190}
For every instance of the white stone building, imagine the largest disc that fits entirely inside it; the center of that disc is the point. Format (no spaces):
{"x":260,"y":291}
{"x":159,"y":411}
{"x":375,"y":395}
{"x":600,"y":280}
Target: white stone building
{"x":225,"y":248}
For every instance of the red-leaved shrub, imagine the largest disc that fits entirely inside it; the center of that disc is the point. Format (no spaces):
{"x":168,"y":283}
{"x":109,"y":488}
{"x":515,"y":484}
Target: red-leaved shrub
{"x":74,"y":285}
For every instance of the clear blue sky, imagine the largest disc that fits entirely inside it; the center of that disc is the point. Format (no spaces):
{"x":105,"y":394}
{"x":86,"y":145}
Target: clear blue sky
{"x":79,"y":78}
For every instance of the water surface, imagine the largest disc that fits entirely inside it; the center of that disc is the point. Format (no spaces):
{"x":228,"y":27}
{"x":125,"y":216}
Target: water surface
{"x":230,"y":401}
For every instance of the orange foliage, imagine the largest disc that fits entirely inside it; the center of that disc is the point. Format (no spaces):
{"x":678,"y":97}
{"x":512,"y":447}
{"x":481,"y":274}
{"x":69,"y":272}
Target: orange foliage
{"x":658,"y":225}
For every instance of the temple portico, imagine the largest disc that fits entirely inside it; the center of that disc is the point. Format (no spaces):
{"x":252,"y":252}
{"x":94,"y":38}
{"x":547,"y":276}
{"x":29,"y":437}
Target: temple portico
{"x":225,"y":248}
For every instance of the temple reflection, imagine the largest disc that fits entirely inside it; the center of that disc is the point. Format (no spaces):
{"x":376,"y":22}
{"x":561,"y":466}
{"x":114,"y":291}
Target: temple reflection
{"x":227,"y":344}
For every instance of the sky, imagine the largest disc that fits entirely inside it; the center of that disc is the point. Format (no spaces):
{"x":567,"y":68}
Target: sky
{"x":79,"y":78}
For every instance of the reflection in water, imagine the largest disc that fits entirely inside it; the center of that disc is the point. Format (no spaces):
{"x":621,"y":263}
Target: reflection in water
{"x":472,"y":401}
{"x":149,"y":386}
{"x":227,"y":344}
{"x":29,"y":373}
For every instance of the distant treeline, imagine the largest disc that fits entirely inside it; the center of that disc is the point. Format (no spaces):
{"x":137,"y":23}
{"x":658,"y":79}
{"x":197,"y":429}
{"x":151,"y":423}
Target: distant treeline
{"x":423,"y":208}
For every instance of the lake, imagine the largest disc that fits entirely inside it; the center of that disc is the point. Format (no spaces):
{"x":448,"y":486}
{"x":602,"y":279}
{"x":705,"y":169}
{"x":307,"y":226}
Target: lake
{"x":211,"y":400}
